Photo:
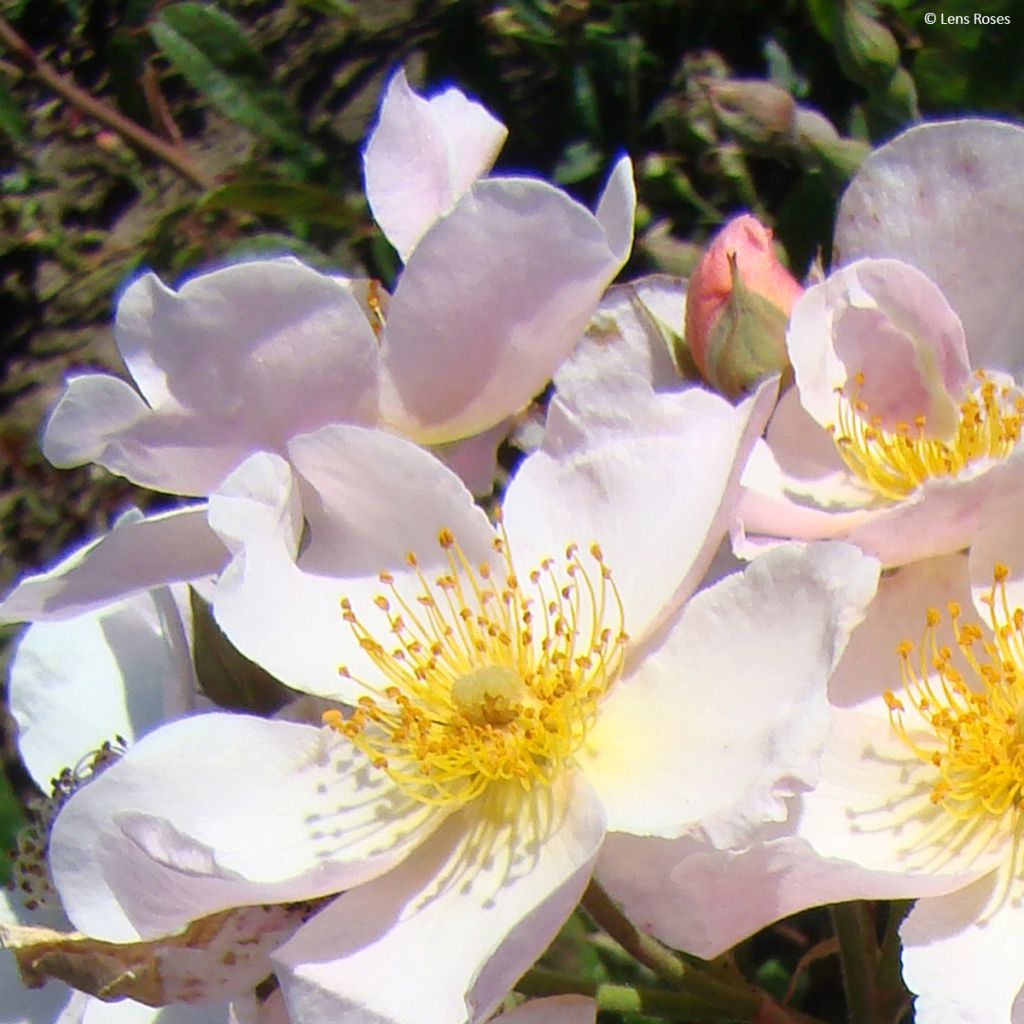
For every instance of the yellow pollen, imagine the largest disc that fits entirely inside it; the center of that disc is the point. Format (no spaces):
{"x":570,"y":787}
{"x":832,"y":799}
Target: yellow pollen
{"x":972,"y":735}
{"x":483,"y":680}
{"x":894,"y":463}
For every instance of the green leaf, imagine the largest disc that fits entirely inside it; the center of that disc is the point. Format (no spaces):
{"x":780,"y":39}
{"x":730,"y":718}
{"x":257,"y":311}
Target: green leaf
{"x":286,"y":199}
{"x":579,"y":161}
{"x":125,"y":60}
{"x":12,"y":120}
{"x":75,"y":10}
{"x":332,"y":8}
{"x":211,"y":50}
{"x":227,"y":677}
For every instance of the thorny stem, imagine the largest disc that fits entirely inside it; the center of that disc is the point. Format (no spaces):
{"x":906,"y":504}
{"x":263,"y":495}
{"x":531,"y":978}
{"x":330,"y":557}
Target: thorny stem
{"x":739,"y":1000}
{"x":138,"y":136}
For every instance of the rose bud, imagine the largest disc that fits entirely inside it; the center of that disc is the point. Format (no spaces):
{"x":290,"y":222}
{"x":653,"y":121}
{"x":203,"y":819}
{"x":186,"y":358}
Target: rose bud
{"x":737,"y":307}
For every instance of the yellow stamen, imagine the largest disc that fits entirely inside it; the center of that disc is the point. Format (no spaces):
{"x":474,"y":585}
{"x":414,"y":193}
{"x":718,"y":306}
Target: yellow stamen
{"x":971,"y":735}
{"x":485,"y":680}
{"x":894,"y":463}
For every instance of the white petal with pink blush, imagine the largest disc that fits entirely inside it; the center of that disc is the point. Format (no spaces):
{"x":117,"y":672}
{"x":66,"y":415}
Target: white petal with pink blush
{"x":520,"y":662}
{"x":422,"y":157}
{"x":912,"y":414}
{"x":897,"y":445}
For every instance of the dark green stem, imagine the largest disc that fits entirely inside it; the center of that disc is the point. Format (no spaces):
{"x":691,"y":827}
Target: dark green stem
{"x":858,"y":952}
{"x":895,"y":997}
{"x":738,"y":1000}
{"x":621,"y":998}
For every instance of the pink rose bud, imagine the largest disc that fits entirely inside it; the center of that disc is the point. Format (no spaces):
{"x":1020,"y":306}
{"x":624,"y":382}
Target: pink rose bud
{"x":737,"y":307}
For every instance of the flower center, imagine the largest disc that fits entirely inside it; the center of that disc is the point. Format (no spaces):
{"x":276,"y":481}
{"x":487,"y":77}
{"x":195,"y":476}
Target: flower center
{"x":973,"y":736}
{"x":894,"y":463}
{"x":485,"y":679}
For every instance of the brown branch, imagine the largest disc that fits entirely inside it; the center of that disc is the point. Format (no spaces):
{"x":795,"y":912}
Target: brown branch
{"x":133,"y":133}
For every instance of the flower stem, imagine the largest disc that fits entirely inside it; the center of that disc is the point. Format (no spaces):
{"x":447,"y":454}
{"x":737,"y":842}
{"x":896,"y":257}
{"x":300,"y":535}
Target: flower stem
{"x":895,"y":997}
{"x":858,"y":952}
{"x":621,"y":998}
{"x":737,"y":999}
{"x":141,"y":138}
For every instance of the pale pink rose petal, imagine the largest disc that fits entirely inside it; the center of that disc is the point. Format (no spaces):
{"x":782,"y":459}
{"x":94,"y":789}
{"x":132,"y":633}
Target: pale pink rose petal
{"x":616,"y":209}
{"x":625,"y":347}
{"x":369,"y":499}
{"x":168,"y":451}
{"x":871,"y":806}
{"x":807,"y":456}
{"x":88,"y":420}
{"x":704,"y":901}
{"x":422,"y":156}
{"x":998,"y":541}
{"x":943,"y":515}
{"x":887,"y":321}
{"x":253,"y":1010}
{"x":235,"y":361}
{"x":475,"y":459}
{"x":139,"y":553}
{"x":724,"y":715}
{"x":78,"y":683}
{"x":217,"y":811}
{"x":552,"y":1010}
{"x":945,"y":198}
{"x":494,"y":917}
{"x":871,"y":663}
{"x":963,"y":968}
{"x":658,"y":503}
{"x":377,"y":497}
{"x":494,"y":297}
{"x":128,"y":1011}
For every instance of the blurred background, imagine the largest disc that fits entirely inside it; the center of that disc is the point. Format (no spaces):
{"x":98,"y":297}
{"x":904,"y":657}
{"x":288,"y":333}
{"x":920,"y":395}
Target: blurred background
{"x":175,"y":135}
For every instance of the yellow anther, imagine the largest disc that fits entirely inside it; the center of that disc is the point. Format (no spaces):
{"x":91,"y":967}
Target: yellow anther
{"x":894,"y":463}
{"x":479,"y":666}
{"x":965,"y":725}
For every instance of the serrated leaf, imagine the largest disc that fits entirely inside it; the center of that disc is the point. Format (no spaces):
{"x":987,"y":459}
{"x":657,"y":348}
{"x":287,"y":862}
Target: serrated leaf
{"x":213,"y":53}
{"x":286,"y":199}
{"x":225,"y":675}
{"x":12,"y":120}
